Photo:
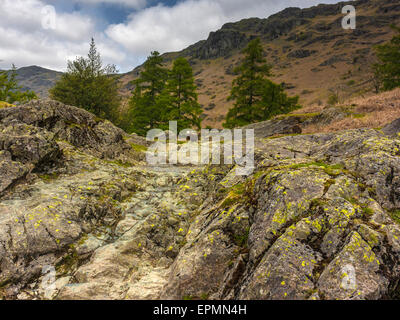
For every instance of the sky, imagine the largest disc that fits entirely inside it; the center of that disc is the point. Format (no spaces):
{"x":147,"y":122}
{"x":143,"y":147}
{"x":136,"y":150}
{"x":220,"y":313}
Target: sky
{"x":48,"y":33}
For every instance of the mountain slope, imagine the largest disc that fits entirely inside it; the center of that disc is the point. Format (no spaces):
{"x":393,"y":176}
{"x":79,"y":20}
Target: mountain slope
{"x":308,"y":49}
{"x":38,"y":79}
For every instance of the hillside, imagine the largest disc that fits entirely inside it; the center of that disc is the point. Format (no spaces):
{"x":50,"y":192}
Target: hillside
{"x":38,"y":79}
{"x":308,"y":49}
{"x":371,"y":112}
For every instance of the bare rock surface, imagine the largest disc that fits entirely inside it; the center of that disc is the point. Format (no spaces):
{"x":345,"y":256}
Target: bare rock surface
{"x":317,"y":219}
{"x":392,"y":129}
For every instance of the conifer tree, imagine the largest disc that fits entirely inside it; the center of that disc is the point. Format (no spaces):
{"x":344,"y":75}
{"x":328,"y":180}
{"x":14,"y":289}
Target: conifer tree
{"x":163,"y":95}
{"x":256,"y":97}
{"x":145,"y":111}
{"x":388,"y":71}
{"x":89,"y":85}
{"x":179,"y":99}
{"x":10,"y":91}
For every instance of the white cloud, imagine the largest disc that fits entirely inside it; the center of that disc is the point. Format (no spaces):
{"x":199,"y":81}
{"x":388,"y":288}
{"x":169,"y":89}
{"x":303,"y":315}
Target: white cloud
{"x":136,"y":4}
{"x":165,"y":28}
{"x":24,"y":41}
{"x":28,"y":16}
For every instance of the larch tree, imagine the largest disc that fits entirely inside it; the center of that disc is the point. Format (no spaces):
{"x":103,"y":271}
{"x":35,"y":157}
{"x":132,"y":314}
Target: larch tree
{"x":180,"y":99}
{"x":387,"y":71}
{"x":256,"y":98}
{"x":145,"y":110}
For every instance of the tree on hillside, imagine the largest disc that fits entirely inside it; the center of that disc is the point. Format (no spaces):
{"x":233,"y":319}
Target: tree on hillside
{"x":256,"y":97}
{"x":179,"y":99}
{"x":388,"y":70}
{"x":10,"y":91}
{"x":145,"y":111}
{"x":163,"y":95}
{"x":89,"y":85}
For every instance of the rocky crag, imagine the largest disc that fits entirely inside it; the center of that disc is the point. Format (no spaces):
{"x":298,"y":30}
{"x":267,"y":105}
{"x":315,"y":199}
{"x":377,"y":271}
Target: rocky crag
{"x":317,"y":219}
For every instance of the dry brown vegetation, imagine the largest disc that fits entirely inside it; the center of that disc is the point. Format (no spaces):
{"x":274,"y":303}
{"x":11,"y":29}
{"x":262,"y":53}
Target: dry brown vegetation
{"x":372,"y":112}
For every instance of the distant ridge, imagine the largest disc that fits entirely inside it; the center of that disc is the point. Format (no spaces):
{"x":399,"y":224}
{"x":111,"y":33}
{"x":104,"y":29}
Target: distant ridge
{"x":38,"y":79}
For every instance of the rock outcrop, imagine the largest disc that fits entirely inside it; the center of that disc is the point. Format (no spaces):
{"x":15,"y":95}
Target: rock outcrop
{"x":279,"y":126}
{"x":317,"y":219}
{"x":301,"y":53}
{"x":60,"y":169}
{"x":218,"y":44}
{"x":392,"y":129}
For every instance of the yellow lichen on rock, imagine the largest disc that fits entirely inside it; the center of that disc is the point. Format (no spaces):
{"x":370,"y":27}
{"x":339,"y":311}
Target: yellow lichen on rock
{"x":5,"y":105}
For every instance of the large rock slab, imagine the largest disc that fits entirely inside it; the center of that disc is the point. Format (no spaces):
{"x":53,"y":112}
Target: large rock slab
{"x":317,"y":219}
